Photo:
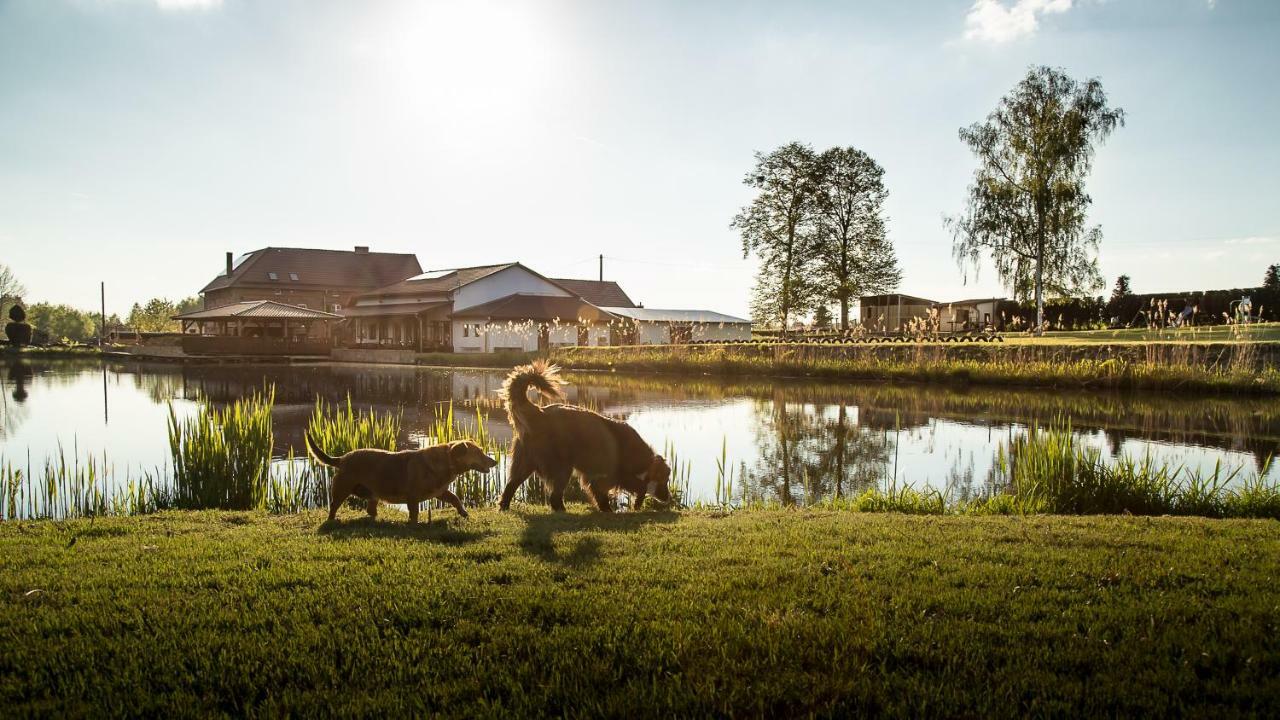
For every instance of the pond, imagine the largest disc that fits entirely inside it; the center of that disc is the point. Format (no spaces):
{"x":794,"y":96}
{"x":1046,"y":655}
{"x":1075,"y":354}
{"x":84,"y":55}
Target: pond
{"x":789,"y":440}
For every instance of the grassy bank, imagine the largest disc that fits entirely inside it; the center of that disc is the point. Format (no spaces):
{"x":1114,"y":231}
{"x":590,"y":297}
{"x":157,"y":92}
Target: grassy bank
{"x":1185,"y":367}
{"x":502,"y":360}
{"x":646,"y":614}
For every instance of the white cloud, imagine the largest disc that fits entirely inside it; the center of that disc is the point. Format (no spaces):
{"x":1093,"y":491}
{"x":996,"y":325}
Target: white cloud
{"x":188,"y":4}
{"x":995,"y":22}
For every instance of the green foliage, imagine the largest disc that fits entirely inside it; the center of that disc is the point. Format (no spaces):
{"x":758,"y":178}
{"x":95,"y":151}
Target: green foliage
{"x":822,"y":318}
{"x":1027,"y":204}
{"x":779,"y":227}
{"x":156,"y":315}
{"x":63,"y":322}
{"x":853,"y":255}
{"x":222,"y":456}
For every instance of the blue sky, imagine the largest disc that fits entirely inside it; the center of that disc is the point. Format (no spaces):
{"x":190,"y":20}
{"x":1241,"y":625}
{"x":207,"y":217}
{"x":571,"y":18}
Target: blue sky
{"x":141,"y":139}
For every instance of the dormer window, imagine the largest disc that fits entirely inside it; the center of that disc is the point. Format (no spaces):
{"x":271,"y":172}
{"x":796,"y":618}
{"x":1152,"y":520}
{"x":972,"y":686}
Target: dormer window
{"x":272,"y":276}
{"x":293,"y":277}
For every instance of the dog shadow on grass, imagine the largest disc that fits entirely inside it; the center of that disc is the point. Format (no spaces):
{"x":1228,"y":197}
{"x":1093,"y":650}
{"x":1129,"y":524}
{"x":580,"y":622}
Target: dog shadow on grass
{"x":439,"y":531}
{"x":541,"y":529}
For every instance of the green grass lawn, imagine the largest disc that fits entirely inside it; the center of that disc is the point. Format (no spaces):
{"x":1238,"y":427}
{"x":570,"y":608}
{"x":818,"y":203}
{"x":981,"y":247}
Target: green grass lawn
{"x":780,"y":613}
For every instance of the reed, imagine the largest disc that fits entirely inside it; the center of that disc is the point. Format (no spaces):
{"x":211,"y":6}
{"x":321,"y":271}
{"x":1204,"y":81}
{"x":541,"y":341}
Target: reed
{"x":1047,"y":470}
{"x":222,"y":457}
{"x":71,"y":486}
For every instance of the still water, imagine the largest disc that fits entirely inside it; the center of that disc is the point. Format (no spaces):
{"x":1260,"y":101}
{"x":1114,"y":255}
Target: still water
{"x":795,"y":441}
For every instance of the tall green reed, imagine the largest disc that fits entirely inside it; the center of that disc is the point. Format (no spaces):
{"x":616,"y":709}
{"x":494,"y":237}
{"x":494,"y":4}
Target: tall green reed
{"x":222,"y":456}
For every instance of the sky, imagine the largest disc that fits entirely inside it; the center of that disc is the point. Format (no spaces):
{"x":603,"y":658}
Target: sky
{"x":140,"y":140}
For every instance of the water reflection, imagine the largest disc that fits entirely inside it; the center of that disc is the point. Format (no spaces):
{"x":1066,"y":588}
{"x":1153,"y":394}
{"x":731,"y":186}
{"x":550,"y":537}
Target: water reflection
{"x":790,"y":440}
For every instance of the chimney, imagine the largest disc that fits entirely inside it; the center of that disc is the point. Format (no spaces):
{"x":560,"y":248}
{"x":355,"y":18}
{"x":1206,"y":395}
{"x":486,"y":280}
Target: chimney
{"x":228,"y":264}
{"x":362,"y":249}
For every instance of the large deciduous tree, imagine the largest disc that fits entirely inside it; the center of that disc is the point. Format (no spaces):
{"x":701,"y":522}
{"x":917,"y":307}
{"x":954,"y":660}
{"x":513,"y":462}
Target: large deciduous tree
{"x":854,"y":257}
{"x":778,"y":226}
{"x":1027,"y":204}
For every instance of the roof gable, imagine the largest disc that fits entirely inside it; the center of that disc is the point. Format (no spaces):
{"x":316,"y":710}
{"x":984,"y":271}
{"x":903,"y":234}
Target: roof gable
{"x":327,"y":268}
{"x":438,"y":281}
{"x":604,"y":293}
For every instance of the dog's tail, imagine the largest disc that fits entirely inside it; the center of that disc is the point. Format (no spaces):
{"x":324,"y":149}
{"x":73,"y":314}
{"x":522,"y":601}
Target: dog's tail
{"x":313,"y":447}
{"x":515,"y":391}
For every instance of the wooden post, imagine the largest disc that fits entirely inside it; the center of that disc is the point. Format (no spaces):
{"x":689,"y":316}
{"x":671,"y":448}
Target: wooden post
{"x":102,"y":326}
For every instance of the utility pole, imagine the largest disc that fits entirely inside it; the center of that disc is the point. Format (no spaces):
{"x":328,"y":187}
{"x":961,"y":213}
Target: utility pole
{"x":102,"y":326}
{"x":601,"y":267}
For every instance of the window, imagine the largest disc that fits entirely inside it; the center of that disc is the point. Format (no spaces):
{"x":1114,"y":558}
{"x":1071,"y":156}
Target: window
{"x":272,"y":276}
{"x":466,"y":329}
{"x":293,"y":277}
{"x":302,"y":305}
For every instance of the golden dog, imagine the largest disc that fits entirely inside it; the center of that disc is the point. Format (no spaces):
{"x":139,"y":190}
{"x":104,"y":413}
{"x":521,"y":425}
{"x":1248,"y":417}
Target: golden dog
{"x":559,"y":440}
{"x":408,"y":476}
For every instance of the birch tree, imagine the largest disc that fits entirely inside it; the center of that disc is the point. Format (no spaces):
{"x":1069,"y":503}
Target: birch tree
{"x":1027,"y":204}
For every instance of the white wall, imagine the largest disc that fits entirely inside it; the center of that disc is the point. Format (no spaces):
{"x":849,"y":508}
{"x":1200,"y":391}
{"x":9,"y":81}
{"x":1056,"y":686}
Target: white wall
{"x":564,"y":335}
{"x":732,"y":331}
{"x":522,"y":337}
{"x":599,"y":336}
{"x":653,"y":334}
{"x":501,"y":284}
{"x":470,"y":343}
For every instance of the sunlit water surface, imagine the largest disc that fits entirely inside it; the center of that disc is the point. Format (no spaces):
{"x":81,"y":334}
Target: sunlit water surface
{"x":794,"y":441}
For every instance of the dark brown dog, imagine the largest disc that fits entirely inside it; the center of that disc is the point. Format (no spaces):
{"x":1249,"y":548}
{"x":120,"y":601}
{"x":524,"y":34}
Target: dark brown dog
{"x":559,"y":440}
{"x":408,"y":476}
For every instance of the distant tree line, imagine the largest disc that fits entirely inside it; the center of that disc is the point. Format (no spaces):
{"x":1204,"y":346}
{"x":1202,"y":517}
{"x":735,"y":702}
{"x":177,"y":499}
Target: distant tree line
{"x":1129,"y":309}
{"x":64,"y":323}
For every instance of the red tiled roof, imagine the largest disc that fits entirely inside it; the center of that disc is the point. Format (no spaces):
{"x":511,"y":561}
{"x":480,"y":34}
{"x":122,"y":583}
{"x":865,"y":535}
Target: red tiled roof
{"x":326,"y":268}
{"x":520,"y":306}
{"x":602,"y":293}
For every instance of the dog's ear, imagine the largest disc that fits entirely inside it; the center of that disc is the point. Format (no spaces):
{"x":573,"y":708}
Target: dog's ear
{"x":458,"y":450}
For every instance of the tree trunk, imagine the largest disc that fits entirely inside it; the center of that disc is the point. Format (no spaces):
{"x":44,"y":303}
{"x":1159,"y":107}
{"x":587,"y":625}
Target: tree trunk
{"x":844,"y":314}
{"x":1040,"y":291}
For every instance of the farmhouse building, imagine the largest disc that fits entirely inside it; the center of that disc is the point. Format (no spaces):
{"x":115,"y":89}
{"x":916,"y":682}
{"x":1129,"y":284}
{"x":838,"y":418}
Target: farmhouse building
{"x":385,"y":301}
{"x":314,"y":279}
